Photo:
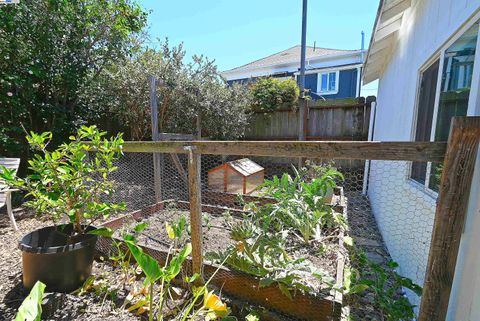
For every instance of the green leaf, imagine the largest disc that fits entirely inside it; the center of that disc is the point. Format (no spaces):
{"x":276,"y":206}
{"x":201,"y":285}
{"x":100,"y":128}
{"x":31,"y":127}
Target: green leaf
{"x":140,"y":227}
{"x":102,"y":231}
{"x":148,"y":264}
{"x":348,"y":240}
{"x":176,"y":263}
{"x":31,"y":308}
{"x":252,"y":317}
{"x":192,"y":278}
{"x":285,"y":291}
{"x":358,"y":288}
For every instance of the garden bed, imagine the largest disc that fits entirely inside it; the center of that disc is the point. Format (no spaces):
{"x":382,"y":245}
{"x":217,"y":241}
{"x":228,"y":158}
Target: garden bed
{"x":320,"y":304}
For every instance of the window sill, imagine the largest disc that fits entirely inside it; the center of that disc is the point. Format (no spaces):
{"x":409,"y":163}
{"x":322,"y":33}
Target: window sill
{"x":422,"y":188}
{"x":326,"y":93}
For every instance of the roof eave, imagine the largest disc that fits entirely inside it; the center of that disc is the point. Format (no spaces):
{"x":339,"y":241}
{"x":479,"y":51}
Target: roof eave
{"x":388,"y":22}
{"x":313,"y":59}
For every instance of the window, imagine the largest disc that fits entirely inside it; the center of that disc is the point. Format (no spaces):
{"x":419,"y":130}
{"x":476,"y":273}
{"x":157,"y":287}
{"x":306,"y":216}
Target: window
{"x":425,"y":108}
{"x":327,"y":82}
{"x":433,"y":119}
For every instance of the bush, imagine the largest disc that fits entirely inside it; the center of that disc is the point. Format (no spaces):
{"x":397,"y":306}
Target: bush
{"x":269,"y":94}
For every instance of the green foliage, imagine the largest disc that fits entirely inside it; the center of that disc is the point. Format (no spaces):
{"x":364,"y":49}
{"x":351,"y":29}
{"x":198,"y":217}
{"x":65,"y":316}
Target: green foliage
{"x":261,"y":238}
{"x":384,"y":282}
{"x":31,"y":308}
{"x":152,"y":269}
{"x":263,"y":254}
{"x":300,"y":202}
{"x":185,"y":91}
{"x":51,"y":51}
{"x":67,"y":181}
{"x":269,"y":94}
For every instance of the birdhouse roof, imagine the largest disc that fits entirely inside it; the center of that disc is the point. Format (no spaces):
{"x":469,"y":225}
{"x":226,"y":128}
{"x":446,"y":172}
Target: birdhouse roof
{"x":245,"y":166}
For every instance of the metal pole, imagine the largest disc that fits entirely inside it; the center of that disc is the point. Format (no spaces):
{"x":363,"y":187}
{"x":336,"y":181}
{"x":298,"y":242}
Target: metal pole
{"x":302,"y":112}
{"x":301,"y":118}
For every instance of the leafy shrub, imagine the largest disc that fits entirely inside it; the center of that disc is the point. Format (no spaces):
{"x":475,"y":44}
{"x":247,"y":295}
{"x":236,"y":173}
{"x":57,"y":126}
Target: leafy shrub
{"x":66,"y":181}
{"x":384,"y":283}
{"x":300,"y":202}
{"x":184,"y":91}
{"x":158,"y":278}
{"x":269,"y":94}
{"x":47,"y":63}
{"x":262,"y":254}
{"x":262,"y":237}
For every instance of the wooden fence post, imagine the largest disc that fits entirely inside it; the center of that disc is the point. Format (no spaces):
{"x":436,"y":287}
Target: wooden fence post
{"x":157,"y":158}
{"x":195,"y":193}
{"x":450,"y":216}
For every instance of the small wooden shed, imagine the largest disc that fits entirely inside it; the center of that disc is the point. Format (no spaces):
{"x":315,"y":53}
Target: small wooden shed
{"x":241,"y":176}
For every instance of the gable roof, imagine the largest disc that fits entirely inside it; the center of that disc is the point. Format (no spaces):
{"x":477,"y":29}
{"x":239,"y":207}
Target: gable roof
{"x":291,"y":55}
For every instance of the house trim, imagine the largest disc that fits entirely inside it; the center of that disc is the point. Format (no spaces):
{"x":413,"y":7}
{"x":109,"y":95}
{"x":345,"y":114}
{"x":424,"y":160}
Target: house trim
{"x":329,"y":69}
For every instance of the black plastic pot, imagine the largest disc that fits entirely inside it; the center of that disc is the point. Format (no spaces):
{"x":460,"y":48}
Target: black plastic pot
{"x":62,"y":262}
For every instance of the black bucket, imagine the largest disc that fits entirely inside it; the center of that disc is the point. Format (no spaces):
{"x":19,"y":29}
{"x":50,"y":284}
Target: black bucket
{"x":49,"y":255}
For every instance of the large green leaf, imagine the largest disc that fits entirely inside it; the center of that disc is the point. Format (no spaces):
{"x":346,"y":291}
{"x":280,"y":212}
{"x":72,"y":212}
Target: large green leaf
{"x":31,"y":308}
{"x":148,"y":264}
{"x":176,"y":263}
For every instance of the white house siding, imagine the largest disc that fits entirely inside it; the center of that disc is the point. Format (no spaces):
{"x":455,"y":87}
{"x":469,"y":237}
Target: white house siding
{"x":404,"y":215}
{"x":404,"y":211}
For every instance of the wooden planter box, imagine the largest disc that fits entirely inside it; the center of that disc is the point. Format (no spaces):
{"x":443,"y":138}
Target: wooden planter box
{"x":243,"y":286}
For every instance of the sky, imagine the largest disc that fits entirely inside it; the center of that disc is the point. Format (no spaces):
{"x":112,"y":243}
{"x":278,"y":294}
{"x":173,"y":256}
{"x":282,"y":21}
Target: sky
{"x":235,"y":32}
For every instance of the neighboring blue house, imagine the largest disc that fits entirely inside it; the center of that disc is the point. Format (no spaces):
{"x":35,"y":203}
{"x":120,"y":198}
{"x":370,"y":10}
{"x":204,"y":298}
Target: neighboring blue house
{"x":330,"y":73}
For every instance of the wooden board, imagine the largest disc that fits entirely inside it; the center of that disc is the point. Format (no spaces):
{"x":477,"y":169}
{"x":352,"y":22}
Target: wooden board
{"x":450,"y":216}
{"x":408,"y":151}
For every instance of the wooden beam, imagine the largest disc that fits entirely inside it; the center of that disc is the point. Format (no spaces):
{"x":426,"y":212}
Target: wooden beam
{"x":388,"y":29}
{"x":450,"y":216}
{"x":157,"y":158}
{"x":386,"y":42}
{"x":178,"y":164}
{"x":394,"y":9}
{"x":407,"y":151}
{"x":195,"y":189}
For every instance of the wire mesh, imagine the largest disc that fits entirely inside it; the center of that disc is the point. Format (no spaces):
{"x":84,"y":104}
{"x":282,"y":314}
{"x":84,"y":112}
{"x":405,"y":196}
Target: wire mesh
{"x":390,"y":215}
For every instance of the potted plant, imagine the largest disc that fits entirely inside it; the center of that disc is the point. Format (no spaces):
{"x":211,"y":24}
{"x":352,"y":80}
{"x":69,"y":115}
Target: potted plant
{"x":72,"y":185}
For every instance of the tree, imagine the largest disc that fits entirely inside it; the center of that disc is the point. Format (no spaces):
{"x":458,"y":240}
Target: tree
{"x":184,"y":91}
{"x":51,"y":52}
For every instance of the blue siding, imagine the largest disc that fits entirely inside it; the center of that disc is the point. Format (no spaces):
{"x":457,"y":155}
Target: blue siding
{"x":347,"y":85}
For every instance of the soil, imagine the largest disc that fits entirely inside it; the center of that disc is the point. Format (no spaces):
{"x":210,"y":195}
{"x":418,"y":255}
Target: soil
{"x":103,"y":302}
{"x":57,"y":306}
{"x":217,"y":238}
{"x":100,"y":307}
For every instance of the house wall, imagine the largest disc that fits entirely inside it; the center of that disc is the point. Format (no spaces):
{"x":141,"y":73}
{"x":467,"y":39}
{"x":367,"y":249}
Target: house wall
{"x":406,"y":219}
{"x":347,"y":85}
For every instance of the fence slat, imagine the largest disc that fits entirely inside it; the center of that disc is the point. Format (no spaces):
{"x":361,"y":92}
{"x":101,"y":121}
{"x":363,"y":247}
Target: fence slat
{"x":450,"y":216}
{"x":332,"y":120}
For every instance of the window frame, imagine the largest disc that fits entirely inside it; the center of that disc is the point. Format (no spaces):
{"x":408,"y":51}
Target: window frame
{"x":440,"y":54}
{"x":319,"y":82}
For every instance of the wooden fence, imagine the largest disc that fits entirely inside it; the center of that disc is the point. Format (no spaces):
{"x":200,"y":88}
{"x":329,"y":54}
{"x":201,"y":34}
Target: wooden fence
{"x":325,"y":120}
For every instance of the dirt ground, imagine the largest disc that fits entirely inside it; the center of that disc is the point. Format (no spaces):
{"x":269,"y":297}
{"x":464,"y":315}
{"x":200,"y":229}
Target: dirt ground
{"x":94,"y":307}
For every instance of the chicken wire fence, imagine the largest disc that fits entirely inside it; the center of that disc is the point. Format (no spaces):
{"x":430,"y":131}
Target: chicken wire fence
{"x":390,"y":215}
